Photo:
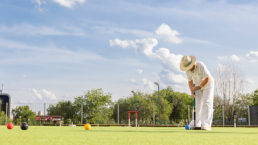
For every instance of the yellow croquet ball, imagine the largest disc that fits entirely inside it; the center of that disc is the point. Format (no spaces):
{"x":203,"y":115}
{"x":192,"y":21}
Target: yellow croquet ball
{"x":87,"y":126}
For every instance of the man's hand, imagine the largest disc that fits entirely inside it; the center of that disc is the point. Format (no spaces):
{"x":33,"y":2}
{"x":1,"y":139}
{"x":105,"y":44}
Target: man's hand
{"x":196,"y":88}
{"x":193,"y":96}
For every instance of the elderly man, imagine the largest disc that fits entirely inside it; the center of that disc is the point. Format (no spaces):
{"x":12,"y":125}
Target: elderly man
{"x":204,"y":89}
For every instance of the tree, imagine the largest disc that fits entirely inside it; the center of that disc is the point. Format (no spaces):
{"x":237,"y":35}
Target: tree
{"x":64,"y":108}
{"x":179,"y":102}
{"x":255,"y":97}
{"x":25,"y":113}
{"x":144,"y":106}
{"x":229,"y":83}
{"x":96,"y":105}
{"x":243,"y":101}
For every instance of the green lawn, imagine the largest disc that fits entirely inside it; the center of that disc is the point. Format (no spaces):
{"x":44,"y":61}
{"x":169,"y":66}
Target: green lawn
{"x":122,"y":135}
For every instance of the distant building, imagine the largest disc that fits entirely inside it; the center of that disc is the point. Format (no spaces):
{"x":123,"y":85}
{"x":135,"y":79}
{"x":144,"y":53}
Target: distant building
{"x":40,"y":112}
{"x":5,"y":99}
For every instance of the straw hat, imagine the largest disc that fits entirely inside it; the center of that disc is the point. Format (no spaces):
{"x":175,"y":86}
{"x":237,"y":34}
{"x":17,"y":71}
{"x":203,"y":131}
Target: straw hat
{"x":187,"y":62}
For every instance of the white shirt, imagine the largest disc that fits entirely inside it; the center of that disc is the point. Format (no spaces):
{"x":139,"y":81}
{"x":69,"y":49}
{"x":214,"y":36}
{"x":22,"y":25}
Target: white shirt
{"x":199,"y":74}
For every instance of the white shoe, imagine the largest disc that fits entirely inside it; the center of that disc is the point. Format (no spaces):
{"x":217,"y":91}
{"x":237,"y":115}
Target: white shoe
{"x":206,"y":127}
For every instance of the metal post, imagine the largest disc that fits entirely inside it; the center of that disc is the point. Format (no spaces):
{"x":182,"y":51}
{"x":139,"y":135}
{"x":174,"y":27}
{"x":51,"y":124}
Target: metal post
{"x":6,"y":111}
{"x":249,"y":119}
{"x":129,"y":120}
{"x":159,"y":105}
{"x":134,"y":102}
{"x":81,"y":113}
{"x":153,"y":114}
{"x":117,"y":113}
{"x":44,"y":108}
{"x":188,"y":114}
{"x":223,"y":115}
{"x":136,"y":120}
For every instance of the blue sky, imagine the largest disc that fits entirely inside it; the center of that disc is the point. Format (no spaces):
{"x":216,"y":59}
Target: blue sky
{"x":56,"y":49}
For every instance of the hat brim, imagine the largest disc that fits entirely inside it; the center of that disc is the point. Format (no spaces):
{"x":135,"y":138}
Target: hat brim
{"x":182,"y":68}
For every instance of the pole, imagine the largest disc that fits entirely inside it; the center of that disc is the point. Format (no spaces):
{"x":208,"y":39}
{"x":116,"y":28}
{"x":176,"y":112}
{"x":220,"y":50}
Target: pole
{"x":129,"y":120}
{"x":188,"y":114}
{"x":44,"y":108}
{"x":153,"y":114}
{"x":6,"y":111}
{"x":223,"y":115}
{"x":249,"y":119}
{"x":134,"y":102}
{"x":81,"y":113}
{"x":136,"y":120}
{"x":234,"y":121}
{"x":194,"y":110}
{"x":117,"y":113}
{"x":159,"y":105}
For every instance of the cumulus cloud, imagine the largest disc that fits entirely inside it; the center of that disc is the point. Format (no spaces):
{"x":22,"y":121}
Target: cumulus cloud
{"x":252,"y":54}
{"x":132,"y":81}
{"x":36,"y":93}
{"x":144,"y":46}
{"x":148,"y":84}
{"x":139,"y":71}
{"x":168,"y":60}
{"x":68,"y":3}
{"x":168,"y":34}
{"x":168,"y":77}
{"x":48,"y":95}
{"x":234,"y":57}
{"x":43,"y":94}
{"x":222,"y":57}
{"x":38,"y":4}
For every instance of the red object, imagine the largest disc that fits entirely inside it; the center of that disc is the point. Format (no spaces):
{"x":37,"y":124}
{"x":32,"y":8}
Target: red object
{"x":10,"y":126}
{"x":129,"y":112}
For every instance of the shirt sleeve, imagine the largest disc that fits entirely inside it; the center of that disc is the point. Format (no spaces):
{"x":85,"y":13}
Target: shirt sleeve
{"x":205,"y":72}
{"x":188,"y":76}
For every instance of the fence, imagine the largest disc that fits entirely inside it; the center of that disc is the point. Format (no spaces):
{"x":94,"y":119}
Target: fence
{"x":115,"y":114}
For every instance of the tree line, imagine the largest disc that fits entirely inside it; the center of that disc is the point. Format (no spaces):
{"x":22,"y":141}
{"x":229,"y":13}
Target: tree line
{"x":98,"y":107}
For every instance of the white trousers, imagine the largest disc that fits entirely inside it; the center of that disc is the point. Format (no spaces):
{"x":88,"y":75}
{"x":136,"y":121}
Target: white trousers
{"x":204,"y":107}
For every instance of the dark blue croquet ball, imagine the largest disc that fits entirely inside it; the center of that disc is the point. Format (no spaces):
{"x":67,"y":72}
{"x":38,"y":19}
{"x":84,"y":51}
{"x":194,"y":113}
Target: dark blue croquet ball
{"x":187,"y":127}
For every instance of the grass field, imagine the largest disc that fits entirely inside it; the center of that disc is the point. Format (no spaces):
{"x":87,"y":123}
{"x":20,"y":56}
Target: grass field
{"x":37,"y":135}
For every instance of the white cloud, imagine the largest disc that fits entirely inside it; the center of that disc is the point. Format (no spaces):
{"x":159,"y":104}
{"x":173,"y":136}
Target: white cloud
{"x":39,"y":3}
{"x":132,"y":81}
{"x":68,"y":3}
{"x":139,"y":71}
{"x":168,"y":60}
{"x":168,"y":34}
{"x":36,"y":93}
{"x":43,"y":94}
{"x":148,"y":84}
{"x":252,"y":54}
{"x":168,"y":77}
{"x":28,"y":29}
{"x":48,"y":95}
{"x":24,"y":76}
{"x":144,"y":46}
{"x":234,"y":57}
{"x":222,"y":57}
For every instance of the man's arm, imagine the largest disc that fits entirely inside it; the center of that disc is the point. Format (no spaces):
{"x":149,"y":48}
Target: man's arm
{"x":190,"y":83}
{"x":204,"y":82}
